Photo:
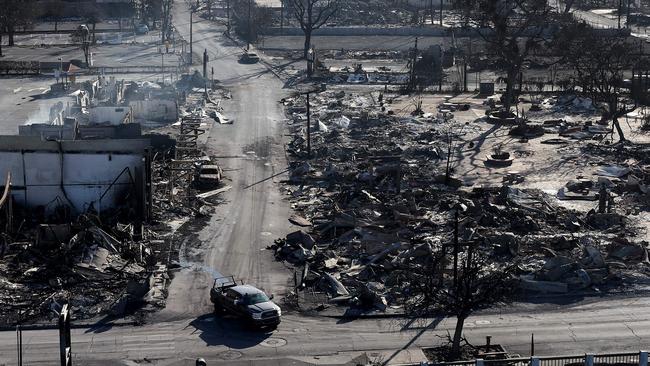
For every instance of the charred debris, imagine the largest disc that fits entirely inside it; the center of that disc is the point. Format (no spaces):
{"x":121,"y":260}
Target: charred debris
{"x":94,"y":198}
{"x":377,"y":196}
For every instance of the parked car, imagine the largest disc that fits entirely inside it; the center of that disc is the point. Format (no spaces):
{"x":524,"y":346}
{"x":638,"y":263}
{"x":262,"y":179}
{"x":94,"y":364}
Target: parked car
{"x":250,"y":57}
{"x":209,"y":176}
{"x":142,"y":29}
{"x":246,"y":302}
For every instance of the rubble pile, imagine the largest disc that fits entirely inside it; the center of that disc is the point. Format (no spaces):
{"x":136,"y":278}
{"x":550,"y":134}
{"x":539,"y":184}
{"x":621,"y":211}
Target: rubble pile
{"x":97,"y":268}
{"x":374,"y":202}
{"x":114,"y":262}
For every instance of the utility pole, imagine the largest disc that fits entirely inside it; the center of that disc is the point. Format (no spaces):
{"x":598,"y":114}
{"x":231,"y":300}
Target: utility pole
{"x":282,"y":17}
{"x":442,"y":68}
{"x":440,"y":13}
{"x":65,"y":342}
{"x":228,"y":16}
{"x":250,"y":26}
{"x":620,"y":8}
{"x":191,"y":13}
{"x":308,"y":128}
{"x":414,"y":60}
{"x":465,"y":75}
{"x":455,"y":248}
{"x":19,"y":344}
{"x":205,"y":63}
{"x":532,"y":344}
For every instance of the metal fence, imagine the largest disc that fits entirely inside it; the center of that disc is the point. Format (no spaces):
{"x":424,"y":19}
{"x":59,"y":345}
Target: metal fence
{"x":150,"y":69}
{"x":608,"y":359}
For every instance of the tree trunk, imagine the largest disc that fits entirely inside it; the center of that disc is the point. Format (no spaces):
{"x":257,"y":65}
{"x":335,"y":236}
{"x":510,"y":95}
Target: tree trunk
{"x":458,"y":333}
{"x":619,"y":130}
{"x":56,"y":25}
{"x":94,"y":26}
{"x":307,"y":43}
{"x":568,"y":6}
{"x":10,"y":36}
{"x":510,"y":89}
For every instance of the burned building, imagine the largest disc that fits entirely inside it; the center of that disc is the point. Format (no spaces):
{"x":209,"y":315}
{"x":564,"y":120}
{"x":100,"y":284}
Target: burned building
{"x":77,"y":176}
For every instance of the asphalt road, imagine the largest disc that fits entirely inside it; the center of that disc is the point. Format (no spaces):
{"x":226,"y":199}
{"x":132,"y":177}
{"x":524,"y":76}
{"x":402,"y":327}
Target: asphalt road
{"x":251,"y":152}
{"x":606,"y":326}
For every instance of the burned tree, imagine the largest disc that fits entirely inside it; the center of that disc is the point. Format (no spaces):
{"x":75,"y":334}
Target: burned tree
{"x":512,"y":29}
{"x":311,"y":15}
{"x":166,"y":24}
{"x":15,"y":14}
{"x":92,"y":18}
{"x":250,"y":19}
{"x":54,"y":10}
{"x":209,"y":4}
{"x":475,"y":282}
{"x":150,"y":11}
{"x":599,"y":63}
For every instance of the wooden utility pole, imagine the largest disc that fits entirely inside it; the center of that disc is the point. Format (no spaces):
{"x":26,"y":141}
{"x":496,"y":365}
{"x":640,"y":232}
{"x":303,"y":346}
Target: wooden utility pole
{"x":205,"y":63}
{"x":414,"y":60}
{"x":282,"y":16}
{"x":455,"y":248}
{"x":228,"y":16}
{"x":250,"y":26}
{"x":19,"y":344}
{"x":308,"y":128}
{"x":65,"y":342}
{"x":191,"y":13}
{"x":620,"y":9}
{"x":532,"y":344}
{"x":442,"y":68}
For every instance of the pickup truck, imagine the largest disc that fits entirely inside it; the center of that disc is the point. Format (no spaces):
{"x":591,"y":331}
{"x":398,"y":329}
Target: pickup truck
{"x":245,"y":302}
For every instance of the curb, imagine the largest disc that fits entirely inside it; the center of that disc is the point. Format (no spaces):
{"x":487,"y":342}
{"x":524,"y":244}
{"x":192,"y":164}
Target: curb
{"x":362,"y":316}
{"x":52,"y":326}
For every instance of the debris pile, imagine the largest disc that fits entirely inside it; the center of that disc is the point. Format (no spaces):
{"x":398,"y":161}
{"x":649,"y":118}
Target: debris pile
{"x":374,"y":201}
{"x":95,"y":267}
{"x":114,"y":262}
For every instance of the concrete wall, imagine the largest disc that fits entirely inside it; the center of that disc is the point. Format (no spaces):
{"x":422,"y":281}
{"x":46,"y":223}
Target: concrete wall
{"x":363,"y":31}
{"x":427,"y":3}
{"x":110,"y":115}
{"x":155,"y":110}
{"x":48,"y":131}
{"x":76,"y":176}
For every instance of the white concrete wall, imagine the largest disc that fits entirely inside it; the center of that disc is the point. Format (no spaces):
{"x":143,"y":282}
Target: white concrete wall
{"x":427,"y":3}
{"x":37,"y":178}
{"x":155,"y":110}
{"x":111,"y":115}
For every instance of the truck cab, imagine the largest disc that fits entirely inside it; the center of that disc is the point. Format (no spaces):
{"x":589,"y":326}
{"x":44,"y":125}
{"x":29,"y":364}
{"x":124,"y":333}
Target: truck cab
{"x":245,"y":302}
